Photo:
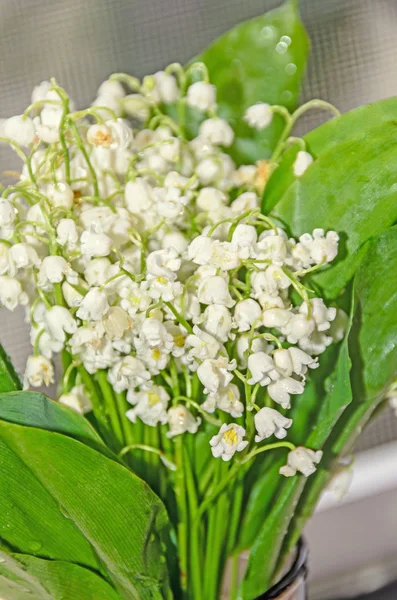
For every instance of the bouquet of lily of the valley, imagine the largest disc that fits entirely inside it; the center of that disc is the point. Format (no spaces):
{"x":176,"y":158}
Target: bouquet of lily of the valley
{"x":222,"y":298}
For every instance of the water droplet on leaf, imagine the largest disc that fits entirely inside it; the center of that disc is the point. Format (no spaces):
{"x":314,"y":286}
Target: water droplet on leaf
{"x":268,"y":34}
{"x":35,"y":546}
{"x":286,"y":96}
{"x":290,"y":68}
{"x":286,"y":39}
{"x":281,"y":47}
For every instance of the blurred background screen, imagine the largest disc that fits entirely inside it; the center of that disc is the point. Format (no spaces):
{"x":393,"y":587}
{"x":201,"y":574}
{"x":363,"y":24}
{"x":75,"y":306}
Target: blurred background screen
{"x":353,"y":61}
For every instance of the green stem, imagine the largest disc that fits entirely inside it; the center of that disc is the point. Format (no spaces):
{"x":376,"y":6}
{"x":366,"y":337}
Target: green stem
{"x":84,"y":152}
{"x":168,"y":463}
{"x":218,"y":546}
{"x":111,"y":406}
{"x":97,"y":406}
{"x":182,"y":529}
{"x":320,"y":104}
{"x":179,"y":317}
{"x":195,"y":566}
{"x":234,"y":576}
{"x":126,"y":425}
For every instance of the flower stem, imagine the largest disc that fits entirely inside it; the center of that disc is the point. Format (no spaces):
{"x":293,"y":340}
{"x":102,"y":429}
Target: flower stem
{"x":180,"y":493}
{"x":179,"y":317}
{"x":195,"y":563}
{"x":111,"y":406}
{"x":126,"y":425}
{"x":97,"y":405}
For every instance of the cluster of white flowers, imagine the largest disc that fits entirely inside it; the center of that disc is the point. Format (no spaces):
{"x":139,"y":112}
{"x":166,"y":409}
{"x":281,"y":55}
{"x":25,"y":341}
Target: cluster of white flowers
{"x":143,"y":253}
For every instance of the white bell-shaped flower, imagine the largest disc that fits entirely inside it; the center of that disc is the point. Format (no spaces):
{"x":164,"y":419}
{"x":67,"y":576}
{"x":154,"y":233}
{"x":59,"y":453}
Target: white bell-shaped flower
{"x":302,"y":162}
{"x":128,"y":373}
{"x":11,"y":293}
{"x":138,"y":196}
{"x":228,"y":441}
{"x":39,"y":371}
{"x":322,"y":315}
{"x":259,"y":115}
{"x":276,"y":317}
{"x":59,"y":322}
{"x":215,"y":373}
{"x":95,"y":244}
{"x":54,"y":269}
{"x":181,"y":420}
{"x":280,"y":391}
{"x":24,"y":256}
{"x":270,"y":422}
{"x":225,"y":399}
{"x":200,"y":249}
{"x":217,"y":321}
{"x":150,"y":406}
{"x":93,"y":306}
{"x":214,"y":290}
{"x":302,"y":460}
{"x":201,"y":345}
{"x":60,"y":195}
{"x":261,"y":366}
{"x":67,"y":234}
{"x":20,"y":130}
{"x":217,"y":131}
{"x":166,"y":87}
{"x":293,"y":360}
{"x":245,"y":202}
{"x":297,"y":327}
{"x":247,"y":313}
{"x":163,"y":263}
{"x":201,"y":95}
{"x":244,"y":239}
{"x":77,"y":399}
{"x":8,"y":213}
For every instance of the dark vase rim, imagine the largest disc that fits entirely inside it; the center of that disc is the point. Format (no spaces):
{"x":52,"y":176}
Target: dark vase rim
{"x":298,"y":568}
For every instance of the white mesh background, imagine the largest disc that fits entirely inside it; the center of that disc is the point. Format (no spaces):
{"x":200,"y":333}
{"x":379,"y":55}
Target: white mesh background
{"x":353,"y":61}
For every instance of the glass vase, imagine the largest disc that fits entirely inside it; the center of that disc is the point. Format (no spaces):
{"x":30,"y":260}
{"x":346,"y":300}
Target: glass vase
{"x":292,"y":583}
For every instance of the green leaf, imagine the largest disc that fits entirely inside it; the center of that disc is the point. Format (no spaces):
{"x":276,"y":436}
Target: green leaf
{"x":65,"y":580}
{"x":372,"y":345}
{"x":354,"y":124}
{"x":115,"y":513}
{"x":9,"y":379}
{"x":30,"y":517}
{"x":259,"y":60}
{"x":352,"y":189}
{"x":264,"y":552}
{"x":338,"y":397}
{"x":33,"y":409}
{"x":376,"y":293}
{"x":373,"y":338}
{"x":16,"y":582}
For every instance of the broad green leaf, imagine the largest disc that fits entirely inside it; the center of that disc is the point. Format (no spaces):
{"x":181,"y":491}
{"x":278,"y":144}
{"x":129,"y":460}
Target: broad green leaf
{"x":261,"y":60}
{"x":352,"y":189}
{"x":116,"y":512}
{"x":265,"y":550}
{"x":66,"y":580}
{"x":33,"y":409}
{"x":338,"y":396}
{"x":373,"y":352}
{"x":329,"y":410}
{"x":376,"y":315}
{"x":9,"y":379}
{"x":16,"y":582}
{"x":354,"y":124}
{"x":30,"y":517}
